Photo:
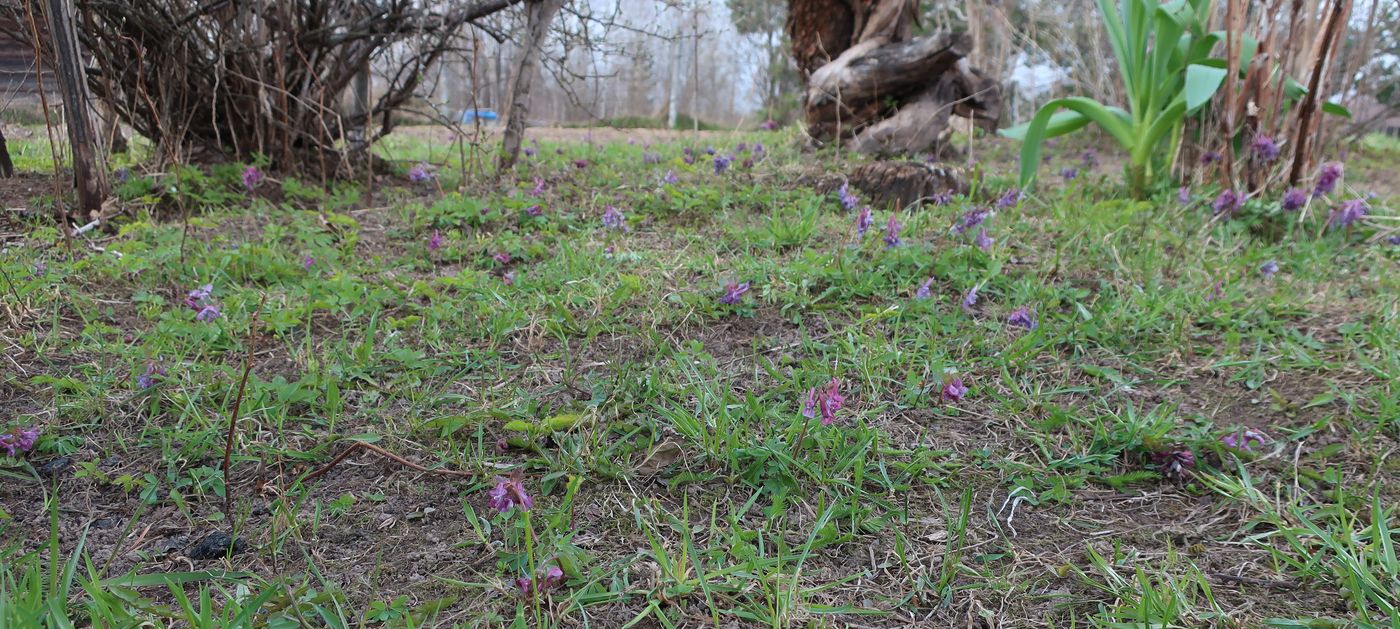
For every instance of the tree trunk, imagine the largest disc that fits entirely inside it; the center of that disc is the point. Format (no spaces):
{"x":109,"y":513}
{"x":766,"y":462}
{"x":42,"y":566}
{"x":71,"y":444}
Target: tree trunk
{"x":885,"y":91}
{"x":539,"y":14}
{"x":89,"y":169}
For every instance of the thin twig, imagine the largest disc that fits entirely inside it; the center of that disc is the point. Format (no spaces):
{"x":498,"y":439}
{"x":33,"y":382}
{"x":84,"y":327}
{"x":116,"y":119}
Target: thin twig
{"x":386,"y":454}
{"x":237,"y":404}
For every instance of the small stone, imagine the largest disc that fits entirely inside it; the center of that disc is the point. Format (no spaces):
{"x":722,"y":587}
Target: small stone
{"x":216,"y":545}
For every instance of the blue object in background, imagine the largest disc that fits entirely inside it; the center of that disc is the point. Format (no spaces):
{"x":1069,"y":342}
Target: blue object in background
{"x":471,"y":115}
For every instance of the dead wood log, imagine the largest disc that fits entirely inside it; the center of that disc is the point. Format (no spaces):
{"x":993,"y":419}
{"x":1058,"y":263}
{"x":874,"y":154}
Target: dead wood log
{"x":900,"y":184}
{"x":884,"y":91}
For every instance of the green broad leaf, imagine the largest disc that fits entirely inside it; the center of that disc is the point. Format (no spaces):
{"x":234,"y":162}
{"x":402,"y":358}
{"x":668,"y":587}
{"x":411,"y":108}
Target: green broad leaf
{"x":1336,"y":109}
{"x":1061,"y":123}
{"x":1202,"y":81}
{"x":1115,"y":121}
{"x":517,"y":425}
{"x":1293,"y":90}
{"x":567,"y":421}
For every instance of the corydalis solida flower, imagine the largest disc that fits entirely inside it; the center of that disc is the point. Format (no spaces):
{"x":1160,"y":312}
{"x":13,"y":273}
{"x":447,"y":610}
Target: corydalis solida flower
{"x":969,"y":300}
{"x":1245,"y":439}
{"x":252,"y":177}
{"x":613,"y":218}
{"x":1268,"y":269}
{"x":1227,"y":203}
{"x":553,"y":576}
{"x":1022,"y":318}
{"x":419,"y":173}
{"x":19,"y":440}
{"x":509,"y":493}
{"x":824,"y":400}
{"x":864,"y":220}
{"x":1175,"y":462}
{"x":435,"y":241}
{"x":148,"y":379}
{"x":924,"y":289}
{"x":954,"y":390}
{"x":848,"y":200}
{"x":734,"y":293}
{"x":1293,"y":200}
{"x":1348,"y":213}
{"x":1327,"y":179}
{"x":1264,"y":148}
{"x":983,"y":241}
{"x":971,"y":220}
{"x":892,"y":228}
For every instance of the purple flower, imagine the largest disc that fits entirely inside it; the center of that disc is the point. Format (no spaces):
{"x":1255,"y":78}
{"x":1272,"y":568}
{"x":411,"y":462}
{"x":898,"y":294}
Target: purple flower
{"x":1010,"y":199}
{"x":1227,"y":203}
{"x":969,"y":300}
{"x":651,"y":158}
{"x":758,"y":148}
{"x":508,"y":278}
{"x":534,"y":211}
{"x":1264,"y":148}
{"x":1175,"y":462}
{"x":864,"y":220}
{"x":826,"y":400}
{"x":953,"y":389}
{"x":892,"y":228}
{"x":508,"y":494}
{"x":1210,"y":157}
{"x":1089,"y":158}
{"x":40,"y":267}
{"x":688,"y":159}
{"x":199,"y":296}
{"x":1394,"y":240}
{"x":747,"y":163}
{"x":529,"y":151}
{"x":419,"y":173}
{"x":971,"y":219}
{"x":671,"y":177}
{"x":1069,"y":172}
{"x":208,"y":313}
{"x":710,"y":150}
{"x":941,"y":198}
{"x":734,"y":293}
{"x":924,"y":289}
{"x":1293,"y":200}
{"x":983,"y":241}
{"x":580,"y":164}
{"x":1349,"y":212}
{"x":685,"y":150}
{"x":501,"y":257}
{"x":613,"y":218}
{"x":1268,"y":269}
{"x":1022,"y":317}
{"x":1245,"y":439}
{"x":721,"y":164}
{"x":769,"y":125}
{"x":19,"y":440}
{"x":435,"y":241}
{"x":848,"y":200}
{"x":148,"y":379}
{"x":122,"y":174}
{"x":1183,"y":195}
{"x":553,"y":576}
{"x":1327,"y":179}
{"x":539,"y":188}
{"x":251,"y":177}
{"x":307,"y":262}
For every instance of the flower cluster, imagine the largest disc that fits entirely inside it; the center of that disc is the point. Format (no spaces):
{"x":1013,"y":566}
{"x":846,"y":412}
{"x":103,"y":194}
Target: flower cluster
{"x":983,"y":241}
{"x":19,"y":441}
{"x":969,"y":300}
{"x":864,"y":220}
{"x":1227,"y":203}
{"x":419,"y":173}
{"x":148,"y":379}
{"x":734,"y":293}
{"x":252,"y":177}
{"x":722,"y":164}
{"x":613,"y":218}
{"x":1349,"y":212}
{"x":1022,"y":317}
{"x":1175,"y":462}
{"x":1264,"y":148}
{"x":435,"y":241}
{"x":892,"y":228}
{"x":508,"y":494}
{"x":1010,"y":199}
{"x":1245,"y":439}
{"x":924,"y":290}
{"x":953,"y":389}
{"x":1293,"y":200}
{"x":826,"y":400}
{"x":201,"y":301}
{"x":1327,"y":179}
{"x":848,"y":200}
{"x":971,"y":219}
{"x":1268,"y":269}
{"x":553,"y":576}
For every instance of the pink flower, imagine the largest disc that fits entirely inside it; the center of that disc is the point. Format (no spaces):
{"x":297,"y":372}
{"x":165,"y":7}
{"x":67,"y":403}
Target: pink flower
{"x":435,"y":241}
{"x":1245,"y":439}
{"x":734,"y":293}
{"x":252,"y":177}
{"x":19,"y":440}
{"x":924,"y":289}
{"x":501,"y":257}
{"x":509,"y":493}
{"x":826,"y":400}
{"x":954,"y":390}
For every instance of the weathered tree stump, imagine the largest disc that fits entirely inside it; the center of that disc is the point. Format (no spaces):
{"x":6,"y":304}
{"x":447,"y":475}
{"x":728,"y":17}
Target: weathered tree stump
{"x":902,"y":184}
{"x":884,"y":91}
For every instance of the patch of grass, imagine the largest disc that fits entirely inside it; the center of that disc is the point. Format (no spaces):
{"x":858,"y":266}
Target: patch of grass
{"x":480,"y":332}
